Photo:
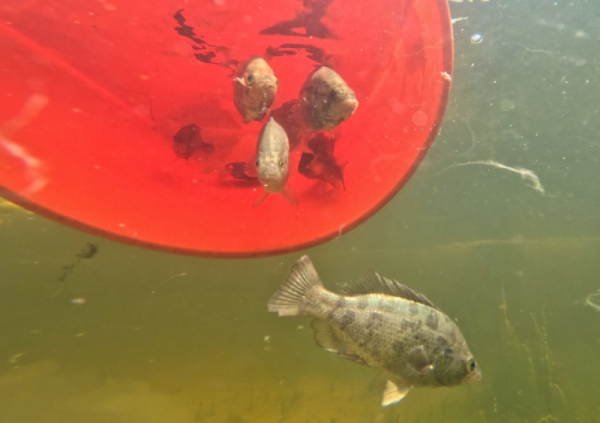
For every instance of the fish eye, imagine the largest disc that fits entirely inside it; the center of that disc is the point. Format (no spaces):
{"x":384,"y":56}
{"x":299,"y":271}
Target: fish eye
{"x":471,"y":364}
{"x":281,"y":164}
{"x":256,"y":163}
{"x":250,"y":79}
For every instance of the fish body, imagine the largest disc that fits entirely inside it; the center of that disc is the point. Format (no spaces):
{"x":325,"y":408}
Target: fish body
{"x":291,"y":117}
{"x":322,"y":165}
{"x":271,"y":164}
{"x":382,"y":324}
{"x":327,"y":100}
{"x":188,"y":140}
{"x":254,"y":89}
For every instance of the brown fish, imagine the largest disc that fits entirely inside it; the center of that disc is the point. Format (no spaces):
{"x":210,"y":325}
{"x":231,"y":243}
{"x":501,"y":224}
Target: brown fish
{"x":254,"y":89}
{"x":322,"y":165}
{"x":380,"y":323}
{"x":291,"y":117}
{"x":188,"y":140}
{"x":327,"y":100}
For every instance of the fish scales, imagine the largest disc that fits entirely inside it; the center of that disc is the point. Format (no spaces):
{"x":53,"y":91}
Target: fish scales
{"x":413,"y":342}
{"x":383,"y":328}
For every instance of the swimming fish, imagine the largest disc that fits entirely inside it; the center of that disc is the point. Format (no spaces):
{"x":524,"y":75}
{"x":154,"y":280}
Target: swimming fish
{"x":271,"y":162}
{"x":188,"y":140}
{"x":254,"y":89}
{"x":327,"y":100}
{"x":291,"y":117}
{"x":322,"y":164}
{"x":380,"y":323}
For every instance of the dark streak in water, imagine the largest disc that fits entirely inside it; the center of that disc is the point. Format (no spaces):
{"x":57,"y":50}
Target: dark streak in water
{"x":210,"y":50}
{"x":308,"y":18}
{"x":314,"y":53}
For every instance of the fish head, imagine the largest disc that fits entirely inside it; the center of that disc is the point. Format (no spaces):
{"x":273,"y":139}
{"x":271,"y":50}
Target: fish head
{"x":273,"y":169}
{"x":455,"y":365}
{"x":344,"y":103}
{"x":255,"y":89}
{"x":337,"y":106}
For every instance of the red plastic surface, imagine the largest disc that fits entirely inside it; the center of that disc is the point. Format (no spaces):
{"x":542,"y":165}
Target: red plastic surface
{"x":92,"y":93}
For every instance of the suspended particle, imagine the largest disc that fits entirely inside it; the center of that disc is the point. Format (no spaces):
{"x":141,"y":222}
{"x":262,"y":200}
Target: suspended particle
{"x":476,"y":38}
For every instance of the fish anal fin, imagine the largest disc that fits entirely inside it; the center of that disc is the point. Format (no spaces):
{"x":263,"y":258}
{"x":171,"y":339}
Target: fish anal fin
{"x":289,"y":195}
{"x":328,"y":338}
{"x":394,"y":392}
{"x":370,"y":282}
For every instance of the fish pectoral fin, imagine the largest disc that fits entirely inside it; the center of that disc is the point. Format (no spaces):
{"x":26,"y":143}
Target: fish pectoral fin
{"x":250,"y":169}
{"x":290,"y":196}
{"x":419,"y":360}
{"x":262,"y":197}
{"x":394,"y":392}
{"x":328,"y":338}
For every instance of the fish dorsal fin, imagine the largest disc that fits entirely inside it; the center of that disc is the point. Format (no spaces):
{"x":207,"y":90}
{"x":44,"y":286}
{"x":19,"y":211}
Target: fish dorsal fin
{"x":371,"y":282}
{"x":394,"y":392}
{"x":327,"y":338}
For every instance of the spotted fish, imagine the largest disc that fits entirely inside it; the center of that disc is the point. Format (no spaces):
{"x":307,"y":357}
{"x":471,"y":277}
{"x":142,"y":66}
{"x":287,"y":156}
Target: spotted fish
{"x":383,"y":324}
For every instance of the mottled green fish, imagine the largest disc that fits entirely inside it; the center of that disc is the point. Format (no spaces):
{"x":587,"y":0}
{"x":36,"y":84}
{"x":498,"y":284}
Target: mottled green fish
{"x":380,"y":323}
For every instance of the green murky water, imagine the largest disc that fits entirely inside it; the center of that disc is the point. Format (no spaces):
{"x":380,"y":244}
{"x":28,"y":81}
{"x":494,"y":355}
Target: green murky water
{"x":163,"y":338}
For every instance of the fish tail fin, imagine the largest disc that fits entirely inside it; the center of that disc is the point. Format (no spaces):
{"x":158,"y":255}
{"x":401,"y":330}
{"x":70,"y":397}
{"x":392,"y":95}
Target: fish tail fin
{"x":290,"y":298}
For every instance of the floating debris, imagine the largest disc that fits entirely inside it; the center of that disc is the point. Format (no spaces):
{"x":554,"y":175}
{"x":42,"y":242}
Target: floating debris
{"x":86,"y":253}
{"x":462,"y":18}
{"x":476,"y":39}
{"x":14,"y":359}
{"x":89,"y":251}
{"x":78,"y":301}
{"x":593,"y":300}
{"x":526,"y":174}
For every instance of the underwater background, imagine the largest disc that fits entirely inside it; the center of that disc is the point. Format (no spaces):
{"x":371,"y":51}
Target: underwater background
{"x":132,"y":335}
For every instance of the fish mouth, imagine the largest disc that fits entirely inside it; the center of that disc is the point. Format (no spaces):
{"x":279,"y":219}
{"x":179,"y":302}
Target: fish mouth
{"x":350,"y":106}
{"x":270,"y":86}
{"x":272,"y":183}
{"x":476,"y":376}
